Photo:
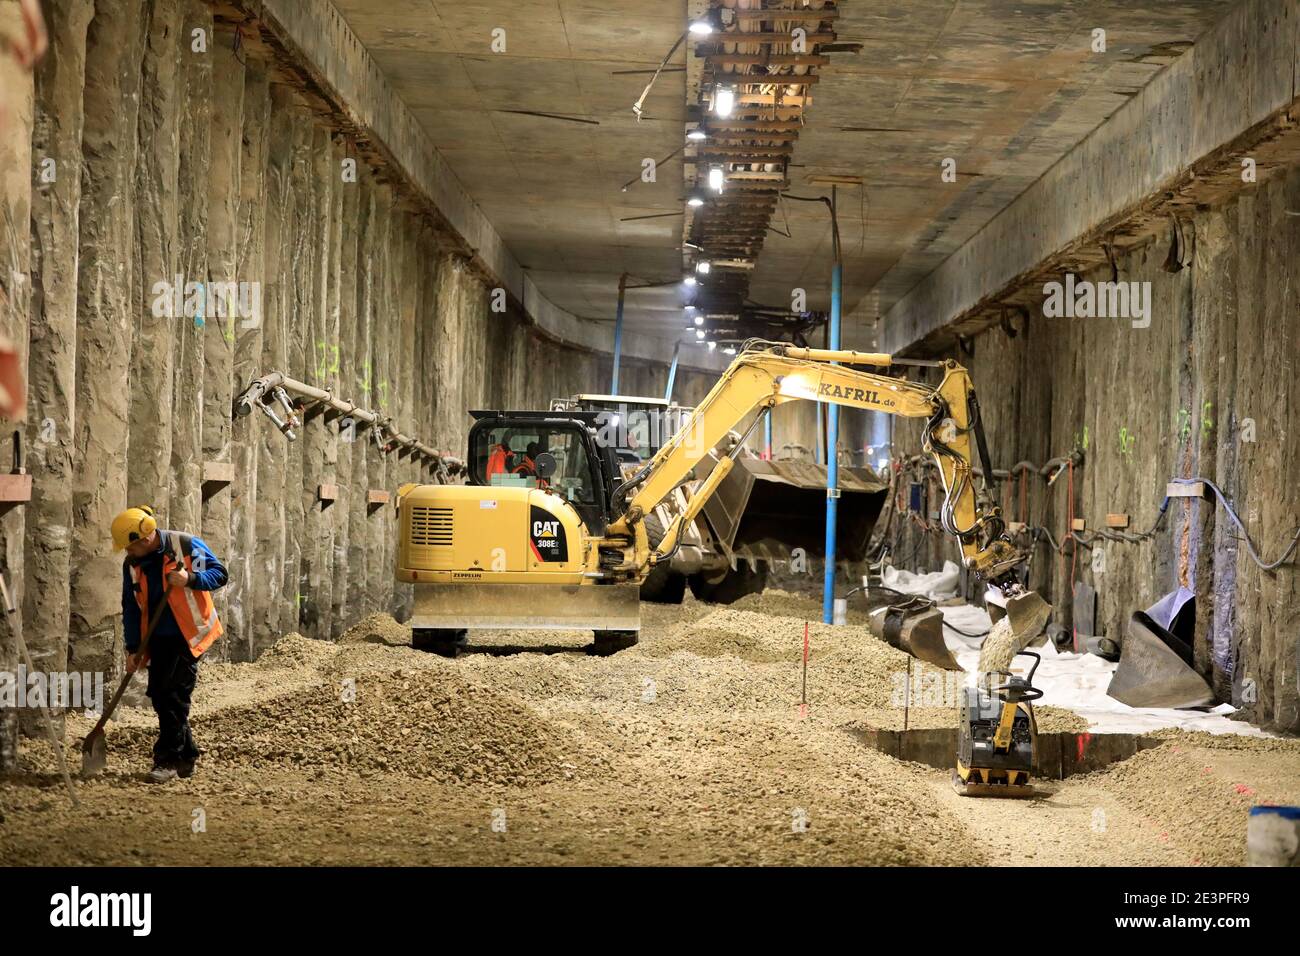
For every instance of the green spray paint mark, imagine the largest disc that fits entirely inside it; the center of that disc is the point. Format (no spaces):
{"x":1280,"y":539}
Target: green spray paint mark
{"x":1081,"y":444}
{"x":328,"y":360}
{"x":1126,"y":442}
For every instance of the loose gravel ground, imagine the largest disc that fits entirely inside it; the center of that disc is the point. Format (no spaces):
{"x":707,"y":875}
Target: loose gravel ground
{"x":691,"y":748}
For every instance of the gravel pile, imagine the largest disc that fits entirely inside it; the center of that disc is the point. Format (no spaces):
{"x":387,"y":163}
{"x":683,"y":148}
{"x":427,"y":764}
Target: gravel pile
{"x":1197,"y":800}
{"x":424,"y":724}
{"x":691,"y":748}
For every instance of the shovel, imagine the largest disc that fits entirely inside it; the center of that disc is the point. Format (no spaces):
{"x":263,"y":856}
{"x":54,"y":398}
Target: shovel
{"x":94,"y":749}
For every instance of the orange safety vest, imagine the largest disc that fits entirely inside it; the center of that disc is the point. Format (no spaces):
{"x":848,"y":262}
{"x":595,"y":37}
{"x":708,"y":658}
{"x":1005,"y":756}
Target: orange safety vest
{"x":497,"y":461}
{"x":194,"y":611}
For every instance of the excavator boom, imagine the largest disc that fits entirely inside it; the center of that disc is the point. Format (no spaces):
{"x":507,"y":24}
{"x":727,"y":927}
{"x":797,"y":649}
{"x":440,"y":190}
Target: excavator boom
{"x":768,"y":374}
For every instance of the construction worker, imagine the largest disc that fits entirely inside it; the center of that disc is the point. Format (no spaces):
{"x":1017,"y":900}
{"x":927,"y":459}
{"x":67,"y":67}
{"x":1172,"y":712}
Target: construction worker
{"x":501,"y":460}
{"x":527,"y":465}
{"x":166,"y":578}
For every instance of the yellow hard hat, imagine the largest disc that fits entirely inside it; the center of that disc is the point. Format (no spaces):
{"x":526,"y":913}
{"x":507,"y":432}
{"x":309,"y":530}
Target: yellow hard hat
{"x":132,"y":525}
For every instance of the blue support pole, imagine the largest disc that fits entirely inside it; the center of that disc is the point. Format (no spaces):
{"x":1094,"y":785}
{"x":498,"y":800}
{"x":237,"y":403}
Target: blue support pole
{"x":672,"y":372}
{"x":618,"y":332}
{"x":832,"y":461}
{"x":767,"y":434}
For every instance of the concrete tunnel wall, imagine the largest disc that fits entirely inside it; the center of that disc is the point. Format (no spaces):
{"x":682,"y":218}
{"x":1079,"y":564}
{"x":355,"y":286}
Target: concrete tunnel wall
{"x":132,"y":159}
{"x":1208,"y":390}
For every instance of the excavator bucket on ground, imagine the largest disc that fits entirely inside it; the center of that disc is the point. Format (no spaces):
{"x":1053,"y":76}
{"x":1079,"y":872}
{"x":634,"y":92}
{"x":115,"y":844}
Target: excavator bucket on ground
{"x":916,"y":627}
{"x":1155,"y":669}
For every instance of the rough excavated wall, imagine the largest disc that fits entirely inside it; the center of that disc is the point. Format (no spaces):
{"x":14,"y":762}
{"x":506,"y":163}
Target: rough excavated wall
{"x":186,"y":156}
{"x":142,"y":152}
{"x":1183,"y":398}
{"x":16,"y":140}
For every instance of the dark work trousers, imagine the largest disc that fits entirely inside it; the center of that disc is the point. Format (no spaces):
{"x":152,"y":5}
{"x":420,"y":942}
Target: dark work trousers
{"x":173,"y":671}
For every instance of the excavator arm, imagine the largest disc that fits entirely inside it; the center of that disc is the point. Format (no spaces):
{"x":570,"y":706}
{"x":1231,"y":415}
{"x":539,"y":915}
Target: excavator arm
{"x":767,"y":374}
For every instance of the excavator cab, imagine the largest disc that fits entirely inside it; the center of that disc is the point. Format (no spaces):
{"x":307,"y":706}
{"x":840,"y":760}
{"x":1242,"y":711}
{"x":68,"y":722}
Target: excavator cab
{"x":552,"y":452}
{"x":516,"y":548}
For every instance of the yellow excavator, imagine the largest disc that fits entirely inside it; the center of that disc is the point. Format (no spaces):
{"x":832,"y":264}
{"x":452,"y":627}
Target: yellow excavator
{"x":548,"y":534}
{"x":767,"y":511}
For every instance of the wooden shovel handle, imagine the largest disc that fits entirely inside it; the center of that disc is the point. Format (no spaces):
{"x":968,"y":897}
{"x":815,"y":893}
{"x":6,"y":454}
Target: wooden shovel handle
{"x":126,"y":680}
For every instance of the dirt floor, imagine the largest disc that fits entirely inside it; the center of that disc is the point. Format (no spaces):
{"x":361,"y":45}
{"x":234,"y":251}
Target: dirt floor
{"x":690,"y":748}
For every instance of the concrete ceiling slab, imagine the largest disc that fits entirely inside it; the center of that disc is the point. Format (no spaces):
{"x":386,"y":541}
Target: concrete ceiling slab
{"x":1006,"y":87}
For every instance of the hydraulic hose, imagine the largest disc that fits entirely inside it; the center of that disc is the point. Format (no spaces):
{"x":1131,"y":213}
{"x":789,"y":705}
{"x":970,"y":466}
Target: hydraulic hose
{"x":1250,"y":547}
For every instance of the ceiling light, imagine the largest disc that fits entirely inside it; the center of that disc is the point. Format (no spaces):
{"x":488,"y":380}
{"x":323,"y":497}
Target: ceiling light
{"x":730,"y":350}
{"x":699,"y":320}
{"x":724,"y":101}
{"x":697,"y":134}
{"x":713,"y":19}
{"x":696,"y":197}
{"x":712,"y":346}
{"x":716,"y":179}
{"x":689,"y":280}
{"x":699,"y":333}
{"x":702,"y":268}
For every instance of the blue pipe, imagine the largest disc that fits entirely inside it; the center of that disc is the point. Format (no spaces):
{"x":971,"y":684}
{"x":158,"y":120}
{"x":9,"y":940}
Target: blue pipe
{"x":832,"y":461}
{"x":672,"y":372}
{"x":767,"y":434}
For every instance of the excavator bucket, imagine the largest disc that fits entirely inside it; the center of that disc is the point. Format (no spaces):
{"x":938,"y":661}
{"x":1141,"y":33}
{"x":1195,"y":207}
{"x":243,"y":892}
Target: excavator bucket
{"x":1155,"y":669}
{"x":766,"y":509}
{"x":1017,"y":626}
{"x":916,"y":627}
{"x":1028,"y":614}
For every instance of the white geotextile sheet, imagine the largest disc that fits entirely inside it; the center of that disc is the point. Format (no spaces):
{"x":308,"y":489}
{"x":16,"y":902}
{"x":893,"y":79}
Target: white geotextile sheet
{"x":936,"y":585}
{"x":1078,"y":682}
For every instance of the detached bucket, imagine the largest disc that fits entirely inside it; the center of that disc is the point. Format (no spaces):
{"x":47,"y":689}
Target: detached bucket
{"x":1155,"y":669}
{"x":915,"y":626}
